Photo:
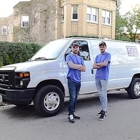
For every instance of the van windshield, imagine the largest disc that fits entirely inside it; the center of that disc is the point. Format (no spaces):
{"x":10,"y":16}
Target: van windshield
{"x":51,"y":50}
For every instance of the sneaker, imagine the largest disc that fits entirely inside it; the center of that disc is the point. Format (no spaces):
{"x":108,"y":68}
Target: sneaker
{"x":102,"y":116}
{"x":101,"y":112}
{"x":76,"y":116}
{"x":71,"y":118}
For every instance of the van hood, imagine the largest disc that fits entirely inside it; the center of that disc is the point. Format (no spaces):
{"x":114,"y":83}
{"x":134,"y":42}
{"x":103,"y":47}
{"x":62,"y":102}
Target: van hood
{"x":30,"y":65}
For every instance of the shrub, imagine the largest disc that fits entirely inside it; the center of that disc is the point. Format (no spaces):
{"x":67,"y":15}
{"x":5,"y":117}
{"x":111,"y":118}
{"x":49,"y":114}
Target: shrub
{"x":11,"y":53}
{"x":86,"y":36}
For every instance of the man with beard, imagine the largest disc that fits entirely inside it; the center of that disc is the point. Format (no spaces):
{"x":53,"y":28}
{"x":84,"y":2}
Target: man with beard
{"x":102,"y":64}
{"x":75,"y":66}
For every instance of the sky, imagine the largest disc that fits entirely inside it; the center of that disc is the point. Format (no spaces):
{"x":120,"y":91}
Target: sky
{"x":6,"y":6}
{"x":127,"y":5}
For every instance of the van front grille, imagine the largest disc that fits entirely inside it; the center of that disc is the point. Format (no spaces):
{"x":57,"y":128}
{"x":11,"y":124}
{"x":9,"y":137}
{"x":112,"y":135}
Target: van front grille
{"x":6,"y":78}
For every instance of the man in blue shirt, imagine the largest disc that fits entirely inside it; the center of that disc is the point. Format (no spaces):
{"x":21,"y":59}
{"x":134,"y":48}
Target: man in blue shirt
{"x":102,"y":64}
{"x":75,"y":66}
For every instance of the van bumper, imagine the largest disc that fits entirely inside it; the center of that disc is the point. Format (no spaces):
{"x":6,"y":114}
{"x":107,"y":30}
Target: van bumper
{"x":17,"y":96}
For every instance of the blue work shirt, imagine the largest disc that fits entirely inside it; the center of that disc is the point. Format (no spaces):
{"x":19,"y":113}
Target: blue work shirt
{"x":103,"y":72}
{"x":74,"y":74}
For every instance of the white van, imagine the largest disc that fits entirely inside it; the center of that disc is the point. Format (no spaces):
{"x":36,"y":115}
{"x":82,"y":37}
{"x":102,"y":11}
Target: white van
{"x":43,"y":80}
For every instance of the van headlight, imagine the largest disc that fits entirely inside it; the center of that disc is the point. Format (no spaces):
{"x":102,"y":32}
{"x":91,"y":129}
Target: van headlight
{"x":24,"y":74}
{"x":22,"y":79}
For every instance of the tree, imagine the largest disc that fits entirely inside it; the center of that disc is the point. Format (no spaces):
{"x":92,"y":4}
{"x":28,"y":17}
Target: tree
{"x":132,"y":22}
{"x":120,"y":24}
{"x":136,"y":11}
{"x":118,"y":17}
{"x":42,"y":16}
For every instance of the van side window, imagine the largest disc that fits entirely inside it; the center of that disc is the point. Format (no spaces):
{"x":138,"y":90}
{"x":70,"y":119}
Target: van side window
{"x":83,"y":49}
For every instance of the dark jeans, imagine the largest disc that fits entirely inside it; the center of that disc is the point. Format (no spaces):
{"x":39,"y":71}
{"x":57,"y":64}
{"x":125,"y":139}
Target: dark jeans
{"x":73,"y":91}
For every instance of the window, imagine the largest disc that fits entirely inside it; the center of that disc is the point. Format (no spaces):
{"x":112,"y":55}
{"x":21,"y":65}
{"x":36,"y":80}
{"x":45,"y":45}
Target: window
{"x":25,"y":21}
{"x":92,"y":14}
{"x":88,"y":13}
{"x":106,"y":17}
{"x":103,"y":16}
{"x":62,"y":13}
{"x":4,"y":30}
{"x":75,"y":12}
{"x":51,"y":50}
{"x":83,"y":49}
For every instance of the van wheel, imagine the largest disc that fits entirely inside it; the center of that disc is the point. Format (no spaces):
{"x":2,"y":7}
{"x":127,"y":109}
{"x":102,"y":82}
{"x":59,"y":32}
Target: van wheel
{"x":134,"y":89}
{"x":49,"y":100}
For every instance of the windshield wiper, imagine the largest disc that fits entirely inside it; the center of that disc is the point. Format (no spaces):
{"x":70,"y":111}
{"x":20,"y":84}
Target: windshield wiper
{"x":41,"y":58}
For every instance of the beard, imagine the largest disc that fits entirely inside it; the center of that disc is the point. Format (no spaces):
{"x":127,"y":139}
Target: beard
{"x":75,"y":52}
{"x":102,"y":51}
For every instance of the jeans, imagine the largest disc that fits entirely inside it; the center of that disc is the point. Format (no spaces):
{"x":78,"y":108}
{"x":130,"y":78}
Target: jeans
{"x":74,"y":89}
{"x":101,"y":86}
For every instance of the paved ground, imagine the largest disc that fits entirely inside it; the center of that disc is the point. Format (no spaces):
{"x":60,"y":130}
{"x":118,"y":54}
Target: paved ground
{"x":122,"y":123}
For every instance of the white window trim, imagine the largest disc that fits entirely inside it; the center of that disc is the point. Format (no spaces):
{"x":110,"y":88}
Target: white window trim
{"x":72,"y":13}
{"x":92,"y":15}
{"x":88,"y":13}
{"x":106,"y":18}
{"x":4,"y":33}
{"x":62,"y":14}
{"x":25,"y":21}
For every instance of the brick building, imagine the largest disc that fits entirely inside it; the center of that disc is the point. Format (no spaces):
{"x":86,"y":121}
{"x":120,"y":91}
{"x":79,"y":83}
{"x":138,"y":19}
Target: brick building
{"x":41,"y":21}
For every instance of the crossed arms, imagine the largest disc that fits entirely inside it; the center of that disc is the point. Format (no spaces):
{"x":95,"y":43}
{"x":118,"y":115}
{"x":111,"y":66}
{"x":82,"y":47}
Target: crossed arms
{"x":83,"y":68}
{"x":100,"y":65}
{"x":76,"y":66}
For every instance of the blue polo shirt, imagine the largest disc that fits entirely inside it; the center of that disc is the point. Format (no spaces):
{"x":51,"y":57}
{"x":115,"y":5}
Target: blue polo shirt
{"x":103,"y":73}
{"x":74,"y":74}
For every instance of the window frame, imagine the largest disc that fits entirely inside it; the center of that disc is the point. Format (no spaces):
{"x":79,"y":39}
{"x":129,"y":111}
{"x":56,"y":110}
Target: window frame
{"x":105,"y":17}
{"x":80,"y":47}
{"x":62,"y":14}
{"x":91,"y":13}
{"x":88,"y":13}
{"x":72,"y":12}
{"x":22,"y":21}
{"x":4,"y":33}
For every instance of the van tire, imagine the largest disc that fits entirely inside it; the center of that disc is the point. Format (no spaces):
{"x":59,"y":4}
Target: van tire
{"x":134,"y":89}
{"x":49,"y":100}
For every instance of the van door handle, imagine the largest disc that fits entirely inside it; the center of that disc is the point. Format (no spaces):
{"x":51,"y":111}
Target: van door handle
{"x":92,"y":71}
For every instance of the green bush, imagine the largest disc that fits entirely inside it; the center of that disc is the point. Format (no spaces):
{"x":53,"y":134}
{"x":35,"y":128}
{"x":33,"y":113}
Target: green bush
{"x":11,"y":53}
{"x":86,"y":36}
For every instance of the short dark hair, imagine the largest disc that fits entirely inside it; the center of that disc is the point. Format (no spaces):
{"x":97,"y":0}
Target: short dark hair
{"x":75,"y":44}
{"x":102,"y":43}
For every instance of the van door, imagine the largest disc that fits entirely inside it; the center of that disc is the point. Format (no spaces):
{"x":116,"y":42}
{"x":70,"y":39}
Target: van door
{"x":124,"y":62}
{"x":87,"y":77}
